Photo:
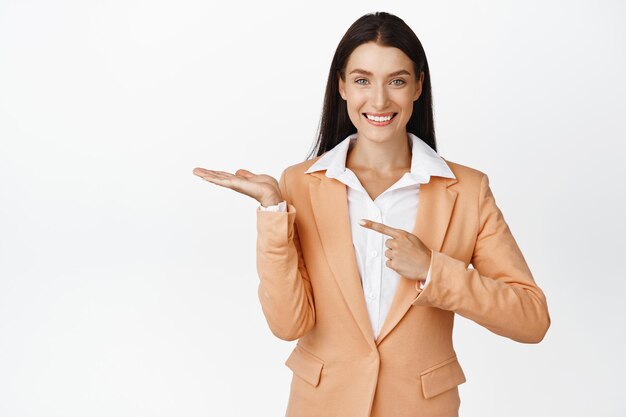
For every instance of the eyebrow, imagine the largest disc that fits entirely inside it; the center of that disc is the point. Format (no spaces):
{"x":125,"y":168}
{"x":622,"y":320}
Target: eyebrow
{"x":361,"y":71}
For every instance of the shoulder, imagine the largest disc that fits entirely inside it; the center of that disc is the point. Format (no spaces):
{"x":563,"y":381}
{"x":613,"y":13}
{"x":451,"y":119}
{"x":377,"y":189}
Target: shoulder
{"x":293,"y":177}
{"x":464,"y":172}
{"x":467,"y":177}
{"x":297,"y":171}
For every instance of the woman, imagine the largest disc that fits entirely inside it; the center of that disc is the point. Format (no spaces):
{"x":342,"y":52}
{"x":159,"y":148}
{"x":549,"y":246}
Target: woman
{"x":375,"y":332}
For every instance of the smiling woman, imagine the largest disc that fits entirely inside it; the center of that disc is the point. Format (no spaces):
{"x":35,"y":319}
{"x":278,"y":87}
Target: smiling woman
{"x":380,"y":96}
{"x":375,"y":332}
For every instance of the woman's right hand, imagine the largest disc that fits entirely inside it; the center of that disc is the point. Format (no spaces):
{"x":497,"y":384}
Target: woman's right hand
{"x":261,"y":187}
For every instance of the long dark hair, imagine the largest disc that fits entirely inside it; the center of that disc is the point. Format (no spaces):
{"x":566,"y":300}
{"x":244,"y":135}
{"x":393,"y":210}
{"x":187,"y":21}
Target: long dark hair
{"x":386,"y":30}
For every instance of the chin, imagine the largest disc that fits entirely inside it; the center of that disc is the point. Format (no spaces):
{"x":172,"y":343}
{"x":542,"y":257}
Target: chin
{"x":374,"y":136}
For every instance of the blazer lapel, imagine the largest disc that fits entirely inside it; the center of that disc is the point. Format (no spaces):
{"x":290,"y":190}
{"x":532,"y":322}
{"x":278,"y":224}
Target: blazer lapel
{"x":436,"y":202}
{"x":330,"y":208}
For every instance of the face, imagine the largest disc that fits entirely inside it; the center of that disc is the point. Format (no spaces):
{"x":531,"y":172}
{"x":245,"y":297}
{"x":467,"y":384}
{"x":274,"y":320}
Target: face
{"x":380,"y":81}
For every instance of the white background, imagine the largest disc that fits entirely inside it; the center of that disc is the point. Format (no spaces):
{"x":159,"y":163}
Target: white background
{"x":128,"y":285}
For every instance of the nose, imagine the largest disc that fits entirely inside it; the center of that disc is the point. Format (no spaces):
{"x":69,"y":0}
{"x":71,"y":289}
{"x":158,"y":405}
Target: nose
{"x":380,"y":97}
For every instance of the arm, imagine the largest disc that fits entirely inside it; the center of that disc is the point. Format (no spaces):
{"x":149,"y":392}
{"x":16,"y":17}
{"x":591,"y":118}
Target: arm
{"x":285,"y":290}
{"x":500,"y":294}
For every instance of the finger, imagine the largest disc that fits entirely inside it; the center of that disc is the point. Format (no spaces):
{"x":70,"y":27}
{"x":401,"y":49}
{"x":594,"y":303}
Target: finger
{"x":223,"y":174}
{"x":382,"y":228}
{"x":203,"y":173}
{"x":217,"y":180}
{"x":200,"y":171}
{"x":210,"y":175}
{"x":221,"y":178}
{"x":244,"y":173}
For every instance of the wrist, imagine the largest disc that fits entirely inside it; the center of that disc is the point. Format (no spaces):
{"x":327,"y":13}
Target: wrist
{"x":270,"y":201}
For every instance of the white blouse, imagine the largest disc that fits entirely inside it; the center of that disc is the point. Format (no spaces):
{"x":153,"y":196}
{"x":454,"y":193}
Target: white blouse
{"x":395,"y":207}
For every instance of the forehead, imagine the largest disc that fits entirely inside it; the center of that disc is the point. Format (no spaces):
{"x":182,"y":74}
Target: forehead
{"x":378,"y":59}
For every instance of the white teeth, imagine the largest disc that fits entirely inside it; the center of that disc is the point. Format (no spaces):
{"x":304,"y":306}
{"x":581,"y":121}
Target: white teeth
{"x":378,"y":119}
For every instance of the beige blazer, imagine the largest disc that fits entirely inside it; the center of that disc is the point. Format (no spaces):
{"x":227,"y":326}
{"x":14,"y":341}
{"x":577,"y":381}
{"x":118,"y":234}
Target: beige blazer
{"x":310,"y":290}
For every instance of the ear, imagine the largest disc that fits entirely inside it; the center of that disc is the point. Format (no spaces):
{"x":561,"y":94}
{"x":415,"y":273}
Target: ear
{"x":418,"y":89}
{"x":342,"y":86}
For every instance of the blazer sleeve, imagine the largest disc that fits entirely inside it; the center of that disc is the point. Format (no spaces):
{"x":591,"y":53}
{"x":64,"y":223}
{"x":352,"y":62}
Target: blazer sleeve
{"x":285,"y":290}
{"x":500,"y":294}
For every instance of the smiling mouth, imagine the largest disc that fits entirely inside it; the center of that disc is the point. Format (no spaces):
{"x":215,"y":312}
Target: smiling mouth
{"x":380,"y":118}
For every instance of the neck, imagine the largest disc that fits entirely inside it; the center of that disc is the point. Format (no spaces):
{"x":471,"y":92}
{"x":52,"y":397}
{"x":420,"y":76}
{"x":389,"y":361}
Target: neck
{"x":383,"y":157}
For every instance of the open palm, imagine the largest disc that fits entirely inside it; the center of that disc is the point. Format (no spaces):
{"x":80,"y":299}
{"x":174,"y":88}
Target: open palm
{"x":261,"y":187}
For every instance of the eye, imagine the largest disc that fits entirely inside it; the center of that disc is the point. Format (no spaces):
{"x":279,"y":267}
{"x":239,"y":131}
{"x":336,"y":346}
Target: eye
{"x":401,"y":82}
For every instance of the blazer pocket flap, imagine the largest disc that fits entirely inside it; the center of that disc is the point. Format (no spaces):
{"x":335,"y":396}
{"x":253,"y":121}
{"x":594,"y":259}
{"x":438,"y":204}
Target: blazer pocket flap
{"x":442,"y":377}
{"x":305,"y":365}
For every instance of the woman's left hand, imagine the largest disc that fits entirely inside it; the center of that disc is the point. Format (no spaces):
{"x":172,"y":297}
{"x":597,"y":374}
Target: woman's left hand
{"x":407,"y":255}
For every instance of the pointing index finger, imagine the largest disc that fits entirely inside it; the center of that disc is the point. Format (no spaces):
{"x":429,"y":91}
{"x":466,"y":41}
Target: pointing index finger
{"x":382,"y":228}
